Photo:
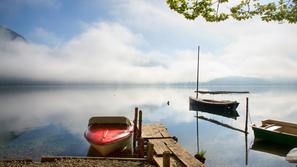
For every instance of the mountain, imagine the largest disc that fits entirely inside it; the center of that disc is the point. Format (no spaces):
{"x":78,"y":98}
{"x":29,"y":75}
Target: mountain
{"x":7,"y":34}
{"x":236,"y":80}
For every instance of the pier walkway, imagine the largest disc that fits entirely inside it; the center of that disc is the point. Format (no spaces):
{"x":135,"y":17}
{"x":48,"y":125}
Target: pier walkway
{"x":158,"y":136}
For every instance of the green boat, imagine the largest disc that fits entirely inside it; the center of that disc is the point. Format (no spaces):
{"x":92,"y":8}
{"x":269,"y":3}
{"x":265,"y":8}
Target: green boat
{"x":277,"y":131}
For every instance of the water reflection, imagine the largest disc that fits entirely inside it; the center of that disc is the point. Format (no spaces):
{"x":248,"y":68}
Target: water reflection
{"x":225,"y":113}
{"x":271,"y":148}
{"x":42,"y":120}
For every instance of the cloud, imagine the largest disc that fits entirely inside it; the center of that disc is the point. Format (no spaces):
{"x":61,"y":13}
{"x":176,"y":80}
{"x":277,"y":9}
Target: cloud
{"x":105,"y":52}
{"x":245,"y":48}
{"x":148,"y":43}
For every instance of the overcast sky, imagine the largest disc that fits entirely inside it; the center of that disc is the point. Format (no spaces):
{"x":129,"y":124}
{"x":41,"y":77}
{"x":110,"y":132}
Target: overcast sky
{"x":138,"y":41}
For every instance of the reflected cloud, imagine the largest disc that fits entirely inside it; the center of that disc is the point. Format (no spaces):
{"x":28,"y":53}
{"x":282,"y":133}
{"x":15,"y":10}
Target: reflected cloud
{"x":25,"y":110}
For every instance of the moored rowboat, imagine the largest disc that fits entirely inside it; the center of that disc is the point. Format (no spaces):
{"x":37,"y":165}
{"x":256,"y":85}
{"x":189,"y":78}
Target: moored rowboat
{"x":216,"y":105}
{"x":109,"y":134}
{"x":277,"y":131}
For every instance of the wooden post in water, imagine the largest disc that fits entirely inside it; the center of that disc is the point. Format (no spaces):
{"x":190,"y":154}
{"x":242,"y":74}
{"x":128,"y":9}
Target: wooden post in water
{"x":135,"y":128}
{"x":197,"y":94}
{"x":166,"y":159}
{"x":140,"y":124}
{"x":197,"y":131}
{"x":139,"y":138}
{"x":246,"y":149}
{"x":246,"y":115}
{"x":150,"y":152}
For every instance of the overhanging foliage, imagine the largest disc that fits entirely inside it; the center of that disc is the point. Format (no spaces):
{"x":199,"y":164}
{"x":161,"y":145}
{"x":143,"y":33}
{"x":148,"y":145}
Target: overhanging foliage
{"x":245,"y":9}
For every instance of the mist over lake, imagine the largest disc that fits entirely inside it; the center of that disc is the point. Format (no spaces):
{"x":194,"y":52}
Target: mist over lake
{"x":51,"y":120}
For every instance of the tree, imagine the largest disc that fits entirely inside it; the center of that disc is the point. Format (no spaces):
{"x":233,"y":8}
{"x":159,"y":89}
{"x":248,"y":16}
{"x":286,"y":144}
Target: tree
{"x":281,"y":10}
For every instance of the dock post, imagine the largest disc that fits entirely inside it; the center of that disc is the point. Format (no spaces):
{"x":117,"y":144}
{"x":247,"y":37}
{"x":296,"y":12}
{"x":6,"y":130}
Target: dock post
{"x":141,"y":148}
{"x":139,"y":138}
{"x":246,"y":115}
{"x":150,"y":152}
{"x":135,"y":128}
{"x":140,"y":125}
{"x":166,"y":159}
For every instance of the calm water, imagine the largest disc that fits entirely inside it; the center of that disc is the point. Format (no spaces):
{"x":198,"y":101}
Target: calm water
{"x":51,"y":120}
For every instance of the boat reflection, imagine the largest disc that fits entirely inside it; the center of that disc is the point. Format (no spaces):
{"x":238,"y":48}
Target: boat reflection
{"x":127,"y":152}
{"x":225,"y":113}
{"x":271,"y":148}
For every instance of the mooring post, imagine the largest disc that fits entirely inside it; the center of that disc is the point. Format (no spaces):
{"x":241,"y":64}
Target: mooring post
{"x":140,"y":124}
{"x":150,"y":152}
{"x":135,"y":128}
{"x":246,"y":115}
{"x":139,"y":138}
{"x":166,"y":159}
{"x":141,"y":148}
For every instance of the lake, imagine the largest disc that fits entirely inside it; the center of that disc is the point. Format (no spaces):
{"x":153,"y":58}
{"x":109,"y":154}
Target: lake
{"x":50,"y":120}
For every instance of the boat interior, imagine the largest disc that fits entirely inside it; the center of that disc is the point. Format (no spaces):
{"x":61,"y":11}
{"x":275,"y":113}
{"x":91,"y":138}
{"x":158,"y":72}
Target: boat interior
{"x":279,"y":126}
{"x":107,"y":121}
{"x":216,"y":101}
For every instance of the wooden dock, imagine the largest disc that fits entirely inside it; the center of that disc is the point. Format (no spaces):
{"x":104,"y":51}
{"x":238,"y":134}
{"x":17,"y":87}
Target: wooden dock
{"x":152,"y":144}
{"x":158,"y":136}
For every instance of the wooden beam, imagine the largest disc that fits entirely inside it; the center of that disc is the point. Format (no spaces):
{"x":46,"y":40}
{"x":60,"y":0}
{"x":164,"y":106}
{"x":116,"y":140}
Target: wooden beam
{"x":222,"y":92}
{"x":184,"y":156}
{"x":140,"y":124}
{"x":54,"y":158}
{"x":150,"y":152}
{"x":166,"y":159}
{"x":135,"y":128}
{"x":246,"y":115}
{"x":141,"y":148}
{"x":18,"y":160}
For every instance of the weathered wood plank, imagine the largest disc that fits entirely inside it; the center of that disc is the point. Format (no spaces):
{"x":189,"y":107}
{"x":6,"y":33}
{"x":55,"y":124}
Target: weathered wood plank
{"x":164,"y":132}
{"x":154,"y":130}
{"x":159,"y":146}
{"x":54,"y":158}
{"x":173,"y":162}
{"x":18,"y":160}
{"x":184,"y":156}
{"x":158,"y":135}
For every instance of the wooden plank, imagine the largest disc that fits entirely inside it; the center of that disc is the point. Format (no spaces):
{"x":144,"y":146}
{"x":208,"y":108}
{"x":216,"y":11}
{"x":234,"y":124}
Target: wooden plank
{"x":141,"y":148}
{"x":154,"y":131}
{"x":150,"y":152}
{"x":18,"y":160}
{"x":222,"y":92}
{"x":148,"y":138}
{"x":173,"y":162}
{"x":54,"y":158}
{"x":164,"y":132}
{"x":150,"y":130}
{"x":158,"y":135}
{"x":184,"y":156}
{"x":166,"y":159}
{"x":159,"y":146}
{"x":292,"y":156}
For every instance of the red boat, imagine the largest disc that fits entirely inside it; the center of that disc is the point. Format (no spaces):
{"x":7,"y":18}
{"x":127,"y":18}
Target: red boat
{"x":109,"y":134}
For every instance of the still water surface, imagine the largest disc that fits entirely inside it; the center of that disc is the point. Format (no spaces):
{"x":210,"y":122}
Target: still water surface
{"x":42,"y":120}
